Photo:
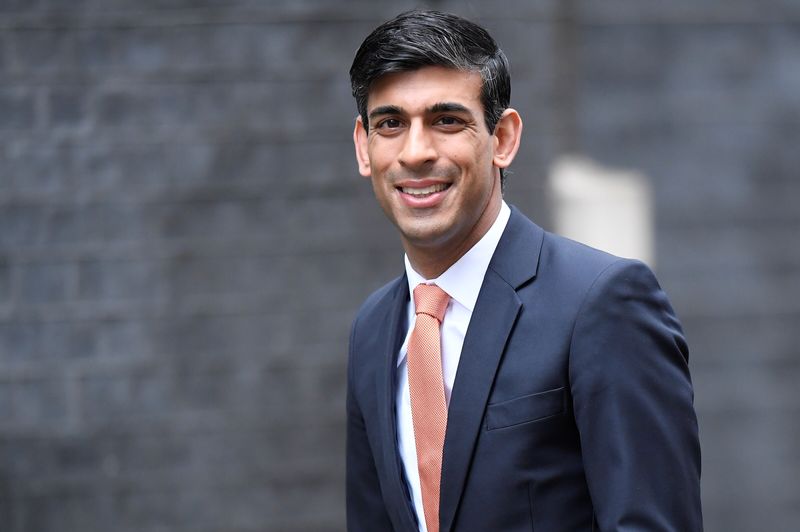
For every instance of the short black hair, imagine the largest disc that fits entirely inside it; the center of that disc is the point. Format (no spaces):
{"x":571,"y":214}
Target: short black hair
{"x":420,"y":38}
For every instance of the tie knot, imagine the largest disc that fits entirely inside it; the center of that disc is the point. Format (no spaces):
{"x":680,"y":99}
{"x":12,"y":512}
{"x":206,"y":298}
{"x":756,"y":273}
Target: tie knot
{"x":431,"y":300}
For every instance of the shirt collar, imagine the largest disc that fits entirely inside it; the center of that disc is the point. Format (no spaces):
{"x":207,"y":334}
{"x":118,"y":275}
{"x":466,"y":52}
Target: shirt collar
{"x":463,"y":280}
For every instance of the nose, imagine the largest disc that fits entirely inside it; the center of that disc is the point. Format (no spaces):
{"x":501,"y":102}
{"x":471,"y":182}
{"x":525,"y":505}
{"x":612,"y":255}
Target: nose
{"x":418,"y":148}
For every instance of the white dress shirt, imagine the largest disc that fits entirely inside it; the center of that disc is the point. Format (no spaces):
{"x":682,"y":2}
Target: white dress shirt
{"x":462,"y":281}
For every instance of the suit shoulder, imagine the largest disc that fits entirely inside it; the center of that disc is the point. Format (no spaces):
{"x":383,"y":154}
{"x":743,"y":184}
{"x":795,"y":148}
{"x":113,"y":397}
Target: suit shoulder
{"x":564,"y":249}
{"x":575,"y":268}
{"x":580,"y":260}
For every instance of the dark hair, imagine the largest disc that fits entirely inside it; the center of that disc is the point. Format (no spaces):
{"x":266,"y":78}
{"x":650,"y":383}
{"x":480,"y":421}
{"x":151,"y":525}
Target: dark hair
{"x":415,"y":39}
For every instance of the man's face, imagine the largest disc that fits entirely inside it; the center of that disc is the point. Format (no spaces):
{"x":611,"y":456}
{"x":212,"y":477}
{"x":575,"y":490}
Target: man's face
{"x":430,"y":157}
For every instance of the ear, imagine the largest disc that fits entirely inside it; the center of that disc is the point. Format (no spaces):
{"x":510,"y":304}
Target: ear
{"x":361,"y":139}
{"x":507,"y":134}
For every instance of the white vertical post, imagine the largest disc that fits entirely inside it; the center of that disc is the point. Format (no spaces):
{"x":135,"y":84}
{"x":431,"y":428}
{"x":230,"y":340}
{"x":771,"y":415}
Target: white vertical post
{"x":606,"y":208}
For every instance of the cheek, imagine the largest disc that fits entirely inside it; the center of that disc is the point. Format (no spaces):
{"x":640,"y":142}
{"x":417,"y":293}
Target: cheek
{"x":479,"y":165}
{"x":477,"y":154}
{"x":381,"y":160}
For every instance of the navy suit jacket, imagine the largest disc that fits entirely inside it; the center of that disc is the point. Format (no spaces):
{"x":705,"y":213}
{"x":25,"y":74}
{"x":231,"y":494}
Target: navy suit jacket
{"x":571,"y":408}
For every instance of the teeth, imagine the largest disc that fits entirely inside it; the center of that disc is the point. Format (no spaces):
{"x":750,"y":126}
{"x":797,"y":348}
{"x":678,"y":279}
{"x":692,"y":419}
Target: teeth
{"x":425,"y":190}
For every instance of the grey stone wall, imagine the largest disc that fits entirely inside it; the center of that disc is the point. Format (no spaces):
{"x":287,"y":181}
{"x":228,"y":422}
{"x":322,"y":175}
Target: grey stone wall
{"x":704,"y":99}
{"x":184,"y":239}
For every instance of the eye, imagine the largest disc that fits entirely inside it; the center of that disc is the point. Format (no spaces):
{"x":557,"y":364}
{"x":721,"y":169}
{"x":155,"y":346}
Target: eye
{"x":449,"y":121}
{"x":389,"y":123}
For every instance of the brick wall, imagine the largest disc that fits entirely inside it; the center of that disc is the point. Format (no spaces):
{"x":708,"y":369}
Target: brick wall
{"x":184,"y":239}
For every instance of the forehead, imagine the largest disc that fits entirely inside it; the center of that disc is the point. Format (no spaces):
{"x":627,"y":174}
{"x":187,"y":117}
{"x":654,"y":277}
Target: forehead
{"x":425,"y":86}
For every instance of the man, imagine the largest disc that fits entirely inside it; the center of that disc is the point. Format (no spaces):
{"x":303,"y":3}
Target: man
{"x":511,"y":379}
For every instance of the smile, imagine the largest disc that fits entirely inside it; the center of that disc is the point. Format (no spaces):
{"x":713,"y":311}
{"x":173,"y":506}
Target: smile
{"x":425,"y":191}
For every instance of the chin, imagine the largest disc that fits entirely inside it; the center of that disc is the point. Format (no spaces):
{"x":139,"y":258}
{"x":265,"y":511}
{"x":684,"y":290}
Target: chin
{"x":424,"y":234}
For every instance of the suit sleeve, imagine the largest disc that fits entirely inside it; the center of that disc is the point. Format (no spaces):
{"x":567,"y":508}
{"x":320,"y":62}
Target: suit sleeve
{"x":366,"y":511}
{"x":633,"y":403}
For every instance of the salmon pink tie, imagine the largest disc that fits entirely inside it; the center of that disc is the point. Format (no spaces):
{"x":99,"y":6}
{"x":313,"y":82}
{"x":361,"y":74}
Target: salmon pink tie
{"x":428,"y":404}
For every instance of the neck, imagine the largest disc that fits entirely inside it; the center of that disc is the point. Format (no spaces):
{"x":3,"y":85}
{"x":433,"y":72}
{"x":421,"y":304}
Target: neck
{"x":432,"y":261}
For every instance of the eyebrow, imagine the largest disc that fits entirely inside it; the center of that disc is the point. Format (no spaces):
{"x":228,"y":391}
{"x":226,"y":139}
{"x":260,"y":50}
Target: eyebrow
{"x":385,"y":110}
{"x":441,"y":107}
{"x":449,"y":107}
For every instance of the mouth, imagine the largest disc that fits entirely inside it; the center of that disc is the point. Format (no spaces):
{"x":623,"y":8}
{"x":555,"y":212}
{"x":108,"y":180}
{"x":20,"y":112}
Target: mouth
{"x":423,"y":192}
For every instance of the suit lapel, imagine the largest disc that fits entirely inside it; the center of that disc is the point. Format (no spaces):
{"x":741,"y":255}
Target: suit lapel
{"x":496,"y":311}
{"x":386,"y":386}
{"x":513,"y":264}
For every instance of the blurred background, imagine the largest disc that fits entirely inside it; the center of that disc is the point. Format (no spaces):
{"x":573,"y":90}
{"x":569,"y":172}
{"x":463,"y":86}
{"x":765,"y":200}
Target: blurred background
{"x":184,"y":239}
